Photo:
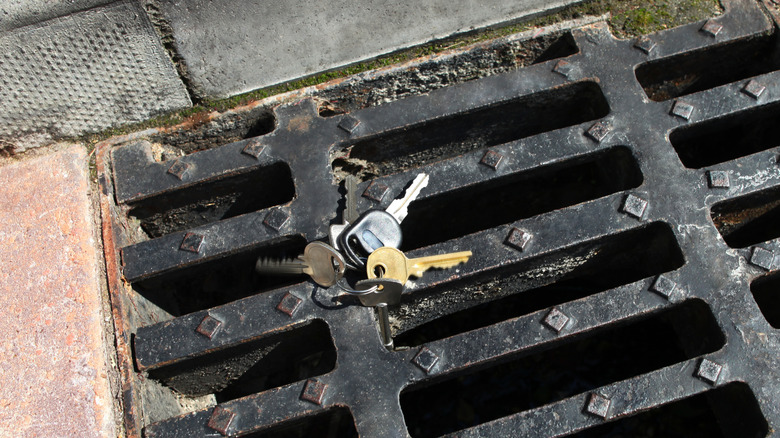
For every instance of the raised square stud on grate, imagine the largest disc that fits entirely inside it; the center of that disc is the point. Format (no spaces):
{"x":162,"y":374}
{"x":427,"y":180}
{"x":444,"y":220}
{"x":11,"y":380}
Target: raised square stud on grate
{"x":635,"y":206}
{"x":425,"y":359}
{"x":645,"y":44}
{"x":663,"y":286}
{"x":518,"y":238}
{"x":349,"y":123}
{"x":276,"y":219}
{"x":763,"y":258}
{"x":491,"y":159}
{"x":289,"y":304}
{"x":209,"y":326}
{"x":375,"y":191}
{"x":718,"y":179}
{"x":221,"y":419}
{"x":709,"y":371}
{"x":179,"y":169}
{"x":254,"y":148}
{"x":598,"y":405}
{"x":556,"y":319}
{"x":314,"y":391}
{"x":753,"y":89}
{"x":711,"y":28}
{"x":598,"y":131}
{"x":682,"y":109}
{"x":563,"y":68}
{"x":191,"y":242}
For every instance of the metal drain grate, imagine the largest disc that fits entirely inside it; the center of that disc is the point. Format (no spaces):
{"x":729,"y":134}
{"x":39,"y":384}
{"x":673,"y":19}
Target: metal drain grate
{"x":621,"y":203}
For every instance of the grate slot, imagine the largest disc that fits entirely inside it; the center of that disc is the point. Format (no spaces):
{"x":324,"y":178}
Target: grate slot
{"x":330,"y":423}
{"x":590,"y":361}
{"x":231,"y":127}
{"x":290,"y":356}
{"x":709,"y":67}
{"x":215,"y":200}
{"x":617,"y":260}
{"x":519,"y":196}
{"x":500,"y":123}
{"x":495,"y":58}
{"x":219,"y":281}
{"x":766,"y":292}
{"x":727,"y":411}
{"x":727,"y":138}
{"x":748,"y":220}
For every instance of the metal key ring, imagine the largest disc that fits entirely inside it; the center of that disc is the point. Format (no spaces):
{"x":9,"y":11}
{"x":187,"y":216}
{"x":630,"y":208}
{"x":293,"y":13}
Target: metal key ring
{"x":356,"y":292}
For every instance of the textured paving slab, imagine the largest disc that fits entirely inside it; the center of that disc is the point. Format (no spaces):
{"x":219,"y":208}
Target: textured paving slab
{"x":84,"y":72}
{"x":18,"y":13}
{"x":234,"y":46}
{"x":54,"y":377}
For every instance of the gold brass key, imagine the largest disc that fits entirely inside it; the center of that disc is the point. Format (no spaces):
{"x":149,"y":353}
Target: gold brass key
{"x":390,"y":262}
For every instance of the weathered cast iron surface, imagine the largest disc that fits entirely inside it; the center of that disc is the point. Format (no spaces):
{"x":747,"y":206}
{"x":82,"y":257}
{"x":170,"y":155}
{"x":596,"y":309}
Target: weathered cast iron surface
{"x":621,"y":203}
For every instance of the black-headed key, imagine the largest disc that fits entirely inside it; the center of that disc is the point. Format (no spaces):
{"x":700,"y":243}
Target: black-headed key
{"x":377,"y":228}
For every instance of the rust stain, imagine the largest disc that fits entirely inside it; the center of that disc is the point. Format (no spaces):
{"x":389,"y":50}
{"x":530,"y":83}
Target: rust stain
{"x":299,"y":124}
{"x":117,"y":290}
{"x":727,"y":220}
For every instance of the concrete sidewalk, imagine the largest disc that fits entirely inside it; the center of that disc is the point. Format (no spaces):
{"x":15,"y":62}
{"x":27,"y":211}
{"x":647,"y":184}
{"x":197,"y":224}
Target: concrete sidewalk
{"x":258,"y":43}
{"x":66,"y":70}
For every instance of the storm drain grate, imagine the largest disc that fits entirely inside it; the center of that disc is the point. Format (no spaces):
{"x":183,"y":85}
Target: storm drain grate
{"x":621,"y":201}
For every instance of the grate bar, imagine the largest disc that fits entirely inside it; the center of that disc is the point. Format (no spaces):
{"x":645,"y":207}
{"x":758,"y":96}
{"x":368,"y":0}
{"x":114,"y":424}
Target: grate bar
{"x":247,"y":415}
{"x":139,"y":176}
{"x":744,"y":180}
{"x":236,"y":328}
{"x":532,"y":331}
{"x":163,"y":254}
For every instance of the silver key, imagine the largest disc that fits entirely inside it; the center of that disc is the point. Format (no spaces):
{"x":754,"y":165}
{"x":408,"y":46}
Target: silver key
{"x":388,"y":292}
{"x":350,"y":202}
{"x":350,"y":212}
{"x":319,"y":260}
{"x":399,"y":208}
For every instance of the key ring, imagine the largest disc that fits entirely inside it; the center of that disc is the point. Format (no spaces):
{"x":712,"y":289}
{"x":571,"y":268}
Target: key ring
{"x":356,"y":292}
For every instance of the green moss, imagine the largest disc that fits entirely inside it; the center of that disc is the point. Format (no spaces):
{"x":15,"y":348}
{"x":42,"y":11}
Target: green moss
{"x":629,"y":18}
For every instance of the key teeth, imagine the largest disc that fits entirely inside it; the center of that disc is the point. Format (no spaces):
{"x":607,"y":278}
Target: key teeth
{"x":399,"y":207}
{"x":270,"y":265}
{"x":420,"y":271}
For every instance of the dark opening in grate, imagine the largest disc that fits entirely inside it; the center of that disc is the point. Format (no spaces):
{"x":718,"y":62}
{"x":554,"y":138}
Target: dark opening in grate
{"x":709,"y":67}
{"x":331,"y":423}
{"x":499,"y":123}
{"x":518,"y":196}
{"x":219,"y":281}
{"x":748,"y":220}
{"x":727,"y":138}
{"x":215,"y":200}
{"x":255,"y":366}
{"x":572,"y":367}
{"x":766,"y":292}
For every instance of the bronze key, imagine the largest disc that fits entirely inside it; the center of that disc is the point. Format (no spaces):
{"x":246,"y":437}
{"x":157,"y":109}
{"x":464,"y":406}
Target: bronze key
{"x":390,"y":262}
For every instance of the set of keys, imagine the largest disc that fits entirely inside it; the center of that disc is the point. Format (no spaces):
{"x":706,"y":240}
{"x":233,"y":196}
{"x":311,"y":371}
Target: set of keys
{"x":367,"y":242}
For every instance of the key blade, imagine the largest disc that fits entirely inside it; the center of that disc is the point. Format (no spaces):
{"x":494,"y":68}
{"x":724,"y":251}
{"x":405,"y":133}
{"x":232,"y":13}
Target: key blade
{"x":268,"y":265}
{"x":350,"y":207}
{"x":399,"y":207}
{"x":416,"y":267}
